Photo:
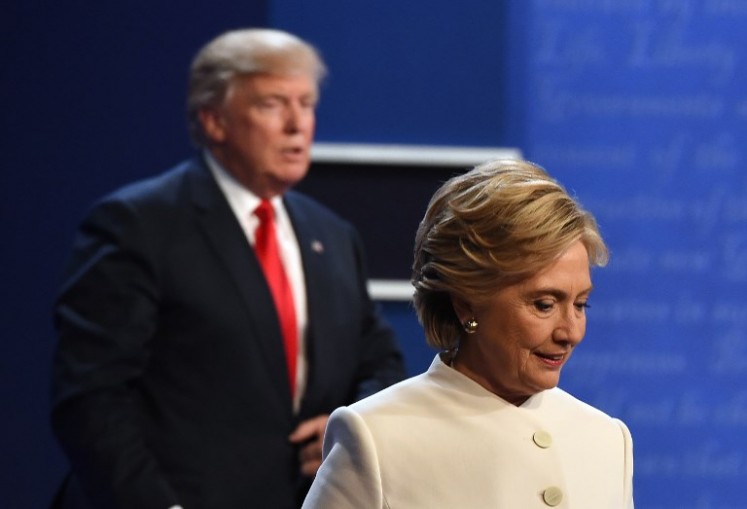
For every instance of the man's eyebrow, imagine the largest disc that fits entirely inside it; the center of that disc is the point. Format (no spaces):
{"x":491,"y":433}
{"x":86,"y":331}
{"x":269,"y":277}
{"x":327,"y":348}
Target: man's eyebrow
{"x":283,"y":97}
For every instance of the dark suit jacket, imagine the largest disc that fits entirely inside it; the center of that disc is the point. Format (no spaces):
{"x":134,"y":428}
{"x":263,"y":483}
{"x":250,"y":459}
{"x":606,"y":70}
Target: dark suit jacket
{"x":169,"y":378}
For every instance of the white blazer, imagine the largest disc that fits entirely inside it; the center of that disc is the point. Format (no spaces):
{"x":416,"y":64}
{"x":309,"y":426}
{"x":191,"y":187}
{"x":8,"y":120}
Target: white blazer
{"x":440,"y":440}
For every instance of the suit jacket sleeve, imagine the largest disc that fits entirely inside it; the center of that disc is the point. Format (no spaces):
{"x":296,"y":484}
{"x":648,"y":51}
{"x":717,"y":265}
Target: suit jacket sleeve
{"x":381,"y":360}
{"x":349,"y":477}
{"x":105,"y":316}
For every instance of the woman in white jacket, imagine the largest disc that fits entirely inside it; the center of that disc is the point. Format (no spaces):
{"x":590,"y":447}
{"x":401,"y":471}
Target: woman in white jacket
{"x":502,"y":282}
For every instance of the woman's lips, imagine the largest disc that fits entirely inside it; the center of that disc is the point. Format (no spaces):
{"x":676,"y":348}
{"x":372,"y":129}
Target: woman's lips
{"x":553,"y":360}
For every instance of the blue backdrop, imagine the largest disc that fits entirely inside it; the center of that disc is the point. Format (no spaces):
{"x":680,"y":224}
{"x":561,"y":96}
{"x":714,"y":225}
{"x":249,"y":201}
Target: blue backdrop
{"x":637,"y":106}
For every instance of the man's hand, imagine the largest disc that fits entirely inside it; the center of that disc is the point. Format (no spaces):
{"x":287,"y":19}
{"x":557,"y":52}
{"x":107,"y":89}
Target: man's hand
{"x":310,"y":435}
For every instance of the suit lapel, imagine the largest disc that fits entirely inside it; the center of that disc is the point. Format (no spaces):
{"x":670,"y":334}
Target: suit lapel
{"x":229,"y":243}
{"x":313,"y":245}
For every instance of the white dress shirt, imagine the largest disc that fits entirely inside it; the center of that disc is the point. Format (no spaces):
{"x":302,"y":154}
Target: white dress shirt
{"x":243,"y":203}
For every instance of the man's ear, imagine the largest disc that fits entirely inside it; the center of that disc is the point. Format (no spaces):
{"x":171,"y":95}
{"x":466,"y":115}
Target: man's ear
{"x":212,"y":125}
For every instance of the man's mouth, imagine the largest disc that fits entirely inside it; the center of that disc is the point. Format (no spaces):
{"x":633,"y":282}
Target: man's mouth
{"x":294,"y":149}
{"x":293,"y":153}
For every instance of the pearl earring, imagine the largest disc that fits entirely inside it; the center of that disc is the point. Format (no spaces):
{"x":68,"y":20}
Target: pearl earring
{"x":470,"y":326}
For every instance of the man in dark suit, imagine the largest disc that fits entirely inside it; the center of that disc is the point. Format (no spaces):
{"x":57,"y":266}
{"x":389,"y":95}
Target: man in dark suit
{"x":180,"y":378}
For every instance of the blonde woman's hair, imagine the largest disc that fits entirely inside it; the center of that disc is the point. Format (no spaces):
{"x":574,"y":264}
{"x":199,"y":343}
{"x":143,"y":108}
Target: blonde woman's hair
{"x":493,"y":226}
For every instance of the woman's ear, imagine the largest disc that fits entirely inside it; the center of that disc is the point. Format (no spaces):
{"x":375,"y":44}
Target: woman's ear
{"x":462,"y":308}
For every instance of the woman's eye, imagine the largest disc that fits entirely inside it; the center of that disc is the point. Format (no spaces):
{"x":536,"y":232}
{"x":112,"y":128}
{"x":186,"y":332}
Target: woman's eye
{"x":543,"y":305}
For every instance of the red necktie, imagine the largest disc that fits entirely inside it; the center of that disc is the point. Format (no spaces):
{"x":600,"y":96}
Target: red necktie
{"x":268,"y":254}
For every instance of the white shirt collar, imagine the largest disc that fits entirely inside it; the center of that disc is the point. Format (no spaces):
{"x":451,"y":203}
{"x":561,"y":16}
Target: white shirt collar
{"x":243,"y":202}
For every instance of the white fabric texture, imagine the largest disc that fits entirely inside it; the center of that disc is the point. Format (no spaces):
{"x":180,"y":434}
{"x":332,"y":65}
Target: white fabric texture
{"x":440,"y":440}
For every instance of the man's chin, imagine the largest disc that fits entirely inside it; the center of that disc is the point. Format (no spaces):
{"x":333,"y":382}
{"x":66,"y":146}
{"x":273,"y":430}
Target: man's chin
{"x":290,"y":176}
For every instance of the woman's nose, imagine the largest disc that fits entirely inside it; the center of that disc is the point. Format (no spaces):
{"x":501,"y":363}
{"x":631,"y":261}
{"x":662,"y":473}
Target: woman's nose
{"x":571,"y":327}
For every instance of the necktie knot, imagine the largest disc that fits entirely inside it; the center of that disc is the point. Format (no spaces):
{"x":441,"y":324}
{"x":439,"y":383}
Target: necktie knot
{"x":264,"y":211}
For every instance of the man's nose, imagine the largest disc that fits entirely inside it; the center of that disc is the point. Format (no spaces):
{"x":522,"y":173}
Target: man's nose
{"x":296,"y":117}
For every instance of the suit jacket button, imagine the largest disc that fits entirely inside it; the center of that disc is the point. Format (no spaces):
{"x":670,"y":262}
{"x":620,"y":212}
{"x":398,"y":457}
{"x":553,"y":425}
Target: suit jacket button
{"x":543,"y":439}
{"x":552,"y":496}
